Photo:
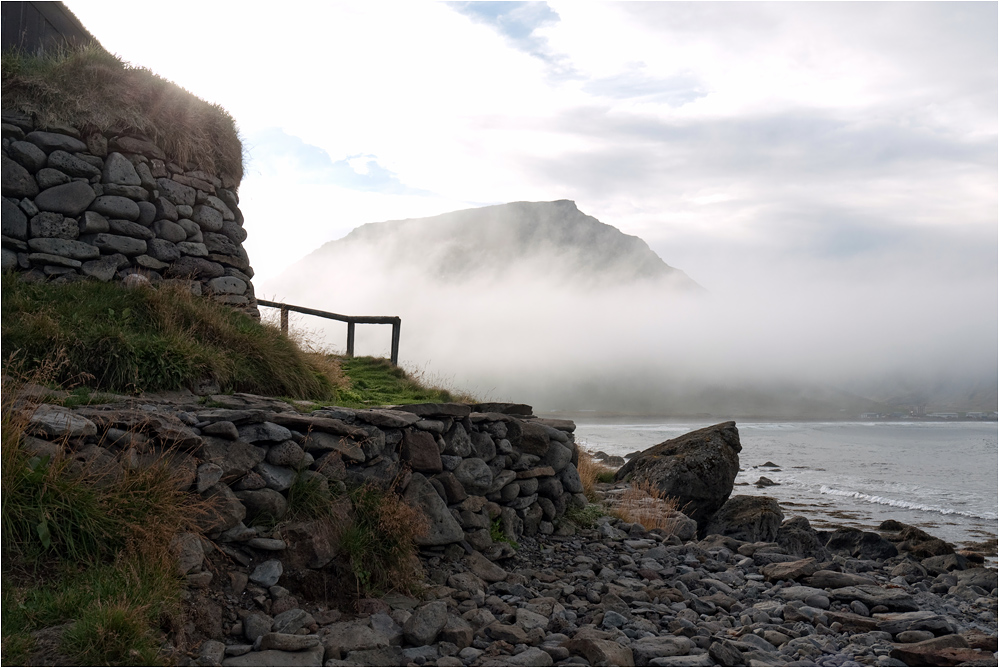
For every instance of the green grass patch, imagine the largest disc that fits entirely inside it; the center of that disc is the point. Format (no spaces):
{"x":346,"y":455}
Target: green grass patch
{"x":498,"y":536}
{"x":376,"y":382}
{"x":114,"y":339}
{"x":585,"y":517}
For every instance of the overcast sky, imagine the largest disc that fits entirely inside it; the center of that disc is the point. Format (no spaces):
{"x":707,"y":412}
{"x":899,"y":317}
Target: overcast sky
{"x":747,"y":143}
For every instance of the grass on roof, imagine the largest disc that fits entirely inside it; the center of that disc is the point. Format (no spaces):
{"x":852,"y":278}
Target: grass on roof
{"x":89,"y":88}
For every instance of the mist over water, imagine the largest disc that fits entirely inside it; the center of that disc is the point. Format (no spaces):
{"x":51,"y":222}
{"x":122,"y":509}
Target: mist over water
{"x":549,"y":330}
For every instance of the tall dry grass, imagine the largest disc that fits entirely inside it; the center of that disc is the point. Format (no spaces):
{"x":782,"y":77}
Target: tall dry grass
{"x":643,"y":503}
{"x":95,"y":91}
{"x":591,"y":472}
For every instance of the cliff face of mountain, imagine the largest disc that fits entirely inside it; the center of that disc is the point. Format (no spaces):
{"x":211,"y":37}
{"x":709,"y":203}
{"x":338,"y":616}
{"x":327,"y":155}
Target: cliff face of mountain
{"x":552,"y":240}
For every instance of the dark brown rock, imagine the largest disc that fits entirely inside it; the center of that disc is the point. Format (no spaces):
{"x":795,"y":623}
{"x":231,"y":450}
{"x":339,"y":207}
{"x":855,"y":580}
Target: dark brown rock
{"x":420,"y":449}
{"x":698,"y":469}
{"x":750,"y":518}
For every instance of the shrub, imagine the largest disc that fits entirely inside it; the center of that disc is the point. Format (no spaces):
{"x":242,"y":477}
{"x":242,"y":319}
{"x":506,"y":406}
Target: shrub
{"x":379,"y":541}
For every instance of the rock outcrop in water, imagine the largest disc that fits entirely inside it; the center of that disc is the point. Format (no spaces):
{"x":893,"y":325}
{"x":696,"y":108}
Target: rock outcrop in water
{"x":698,"y":469}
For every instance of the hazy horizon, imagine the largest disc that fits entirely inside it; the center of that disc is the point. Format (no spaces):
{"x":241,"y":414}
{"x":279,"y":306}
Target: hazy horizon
{"x":826,"y":171}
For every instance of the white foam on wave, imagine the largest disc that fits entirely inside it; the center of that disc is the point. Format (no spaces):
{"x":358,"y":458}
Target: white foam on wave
{"x":896,"y":503}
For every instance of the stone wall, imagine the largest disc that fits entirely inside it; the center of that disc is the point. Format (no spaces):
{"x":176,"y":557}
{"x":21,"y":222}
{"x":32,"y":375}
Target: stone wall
{"x":79,"y":206}
{"x":468,"y":467}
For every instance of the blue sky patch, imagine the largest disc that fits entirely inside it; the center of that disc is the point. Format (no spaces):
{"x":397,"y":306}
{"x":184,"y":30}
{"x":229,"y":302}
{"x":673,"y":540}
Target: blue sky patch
{"x":273,"y":152}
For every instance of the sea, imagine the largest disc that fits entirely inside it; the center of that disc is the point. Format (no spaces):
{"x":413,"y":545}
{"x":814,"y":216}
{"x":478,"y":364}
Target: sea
{"x":939,"y":476}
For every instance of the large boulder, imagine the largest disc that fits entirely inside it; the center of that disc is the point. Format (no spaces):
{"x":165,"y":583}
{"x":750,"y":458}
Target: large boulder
{"x":750,"y":518}
{"x":698,"y":469}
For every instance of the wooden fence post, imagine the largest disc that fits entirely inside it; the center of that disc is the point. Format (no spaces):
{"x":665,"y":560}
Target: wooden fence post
{"x":284,"y":320}
{"x":396,"y":326}
{"x":350,"y":338}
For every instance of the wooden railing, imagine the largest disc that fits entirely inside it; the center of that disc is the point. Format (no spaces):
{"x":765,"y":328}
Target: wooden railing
{"x":351,"y":320}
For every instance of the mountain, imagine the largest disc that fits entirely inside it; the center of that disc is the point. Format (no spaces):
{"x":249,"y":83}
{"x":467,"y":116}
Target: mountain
{"x":547,"y":240}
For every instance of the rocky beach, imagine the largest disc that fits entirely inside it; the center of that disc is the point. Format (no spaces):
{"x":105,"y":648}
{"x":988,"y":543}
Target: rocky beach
{"x":520,"y":568}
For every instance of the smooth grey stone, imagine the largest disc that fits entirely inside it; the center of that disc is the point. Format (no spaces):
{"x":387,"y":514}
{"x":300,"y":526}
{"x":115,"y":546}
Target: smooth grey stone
{"x":27,"y":155}
{"x":113,"y":206}
{"x":70,"y":199}
{"x":53,"y":141}
{"x":49,"y":178}
{"x":208,"y":218}
{"x":166,"y":229}
{"x":264,"y":431}
{"x":9,"y":260}
{"x":147,"y":213}
{"x":425,"y":623}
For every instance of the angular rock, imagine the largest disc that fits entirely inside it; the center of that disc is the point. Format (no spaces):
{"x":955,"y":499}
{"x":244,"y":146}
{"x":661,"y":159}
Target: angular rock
{"x":176,"y":193}
{"x":54,"y":225}
{"x":70,"y":164}
{"x":444,"y":528}
{"x":118,"y":169}
{"x":56,"y":422}
{"x":873,"y":595}
{"x":419,"y":448}
{"x":263,"y":504}
{"x":15,"y":223}
{"x":194,"y":267}
{"x":698,"y":469}
{"x":114,"y":243}
{"x":16,"y":180}
{"x":749,"y":518}
{"x":601,"y":652}
{"x":425,"y":623}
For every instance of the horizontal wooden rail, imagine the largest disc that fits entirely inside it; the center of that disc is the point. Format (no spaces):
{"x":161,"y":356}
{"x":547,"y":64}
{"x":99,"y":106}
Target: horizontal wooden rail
{"x":351,"y":320}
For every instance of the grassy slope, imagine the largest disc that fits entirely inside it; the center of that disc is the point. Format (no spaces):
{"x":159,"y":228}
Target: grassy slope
{"x":68,"y":559}
{"x":111,"y":339}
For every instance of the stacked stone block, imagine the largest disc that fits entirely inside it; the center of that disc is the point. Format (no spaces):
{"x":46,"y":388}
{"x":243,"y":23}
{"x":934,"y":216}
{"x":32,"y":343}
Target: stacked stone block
{"x":79,"y":206}
{"x":472,"y":469}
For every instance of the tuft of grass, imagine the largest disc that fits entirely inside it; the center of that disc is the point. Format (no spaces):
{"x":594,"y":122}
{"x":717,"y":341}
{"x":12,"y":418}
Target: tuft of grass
{"x":649,"y":506}
{"x":497,"y":534}
{"x":378,"y":544}
{"x":591,"y":472}
{"x":146,"y":339}
{"x":585,"y":517}
{"x":96,"y":91}
{"x":86,"y":552}
{"x":377,"y":382}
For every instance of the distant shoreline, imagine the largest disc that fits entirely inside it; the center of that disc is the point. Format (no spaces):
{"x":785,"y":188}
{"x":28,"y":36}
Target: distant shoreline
{"x":588,"y":415}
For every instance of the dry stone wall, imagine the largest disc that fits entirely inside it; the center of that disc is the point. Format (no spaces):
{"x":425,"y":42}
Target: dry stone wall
{"x":81,"y":206}
{"x":470,"y":468}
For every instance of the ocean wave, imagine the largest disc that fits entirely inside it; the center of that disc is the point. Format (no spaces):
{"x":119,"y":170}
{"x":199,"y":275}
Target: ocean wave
{"x":896,"y":503}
